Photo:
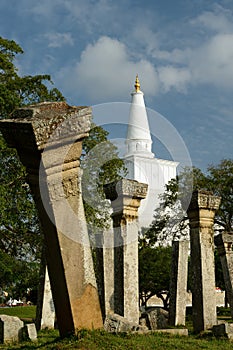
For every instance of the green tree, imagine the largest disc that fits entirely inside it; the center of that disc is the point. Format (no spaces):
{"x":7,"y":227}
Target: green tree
{"x":220,"y":182}
{"x":20,"y":235}
{"x":20,"y":241}
{"x":170,"y":219}
{"x":16,"y":91}
{"x":101,"y":165}
{"x":154,"y":273}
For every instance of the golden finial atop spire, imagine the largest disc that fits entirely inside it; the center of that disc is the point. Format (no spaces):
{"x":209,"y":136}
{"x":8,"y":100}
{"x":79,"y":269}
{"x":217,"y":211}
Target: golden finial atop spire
{"x":137,"y":84}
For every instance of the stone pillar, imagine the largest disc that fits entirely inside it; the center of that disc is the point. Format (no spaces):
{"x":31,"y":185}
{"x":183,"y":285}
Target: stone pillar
{"x":201,"y":214}
{"x":125,"y":199}
{"x":48,"y":138}
{"x":108,"y":257}
{"x":48,"y":310}
{"x":178,"y":284}
{"x":45,"y":311}
{"x":224,"y":243}
{"x":105,"y":270}
{"x":99,"y":270}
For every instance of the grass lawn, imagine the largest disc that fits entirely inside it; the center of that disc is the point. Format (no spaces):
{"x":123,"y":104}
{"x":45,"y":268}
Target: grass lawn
{"x":94,"y":340}
{"x":24,"y":312}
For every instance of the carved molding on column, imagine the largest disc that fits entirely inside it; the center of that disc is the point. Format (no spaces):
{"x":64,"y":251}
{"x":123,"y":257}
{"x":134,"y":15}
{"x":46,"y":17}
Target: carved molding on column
{"x":224,"y":243}
{"x":204,"y":200}
{"x":36,"y":123}
{"x":202,"y":208}
{"x":125,"y":196}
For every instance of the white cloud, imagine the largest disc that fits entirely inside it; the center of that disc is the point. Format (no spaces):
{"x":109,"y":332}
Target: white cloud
{"x":106,"y":68}
{"x":219,"y":19}
{"x":212,"y":63}
{"x":172,"y":77}
{"x":143,"y":38}
{"x":209,"y":62}
{"x":42,"y":8}
{"x":59,"y":39}
{"x":106,"y":71}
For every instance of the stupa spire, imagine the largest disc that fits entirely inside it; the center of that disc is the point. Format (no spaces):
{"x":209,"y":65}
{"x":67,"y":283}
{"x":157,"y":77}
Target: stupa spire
{"x":138,"y":136}
{"x":137,"y":84}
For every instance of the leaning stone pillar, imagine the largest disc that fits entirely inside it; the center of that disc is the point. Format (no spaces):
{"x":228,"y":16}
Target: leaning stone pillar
{"x":48,"y":138}
{"x":178,"y":283}
{"x":125,"y":199}
{"x":224,"y":243}
{"x":201,"y":214}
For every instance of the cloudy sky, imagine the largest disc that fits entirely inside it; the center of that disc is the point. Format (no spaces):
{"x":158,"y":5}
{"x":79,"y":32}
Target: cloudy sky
{"x":182,"y":51}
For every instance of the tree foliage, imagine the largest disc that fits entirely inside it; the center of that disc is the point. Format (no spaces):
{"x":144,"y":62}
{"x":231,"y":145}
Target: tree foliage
{"x":170,"y":219}
{"x":171,"y":222}
{"x":101,"y":165}
{"x":220,"y":182}
{"x":16,"y":91}
{"x":20,"y":237}
{"x":154,"y":273}
{"x":20,"y":242}
{"x":18,"y":219}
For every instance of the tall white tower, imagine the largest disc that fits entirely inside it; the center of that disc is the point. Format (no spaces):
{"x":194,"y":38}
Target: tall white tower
{"x":141,"y":162}
{"x":138,"y":136}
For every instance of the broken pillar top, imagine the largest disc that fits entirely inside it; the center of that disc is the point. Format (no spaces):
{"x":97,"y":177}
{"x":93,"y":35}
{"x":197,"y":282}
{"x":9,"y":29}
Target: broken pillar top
{"x":224,"y":243}
{"x":125,"y":196}
{"x":46,"y":123}
{"x":204,"y":200}
{"x":125,"y":187}
{"x":224,"y":237}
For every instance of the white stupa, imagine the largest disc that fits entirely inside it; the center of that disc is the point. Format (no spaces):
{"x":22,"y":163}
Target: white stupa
{"x":141,"y":163}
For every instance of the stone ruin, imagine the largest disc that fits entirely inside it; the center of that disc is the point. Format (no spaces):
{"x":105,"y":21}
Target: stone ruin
{"x":224,"y":243}
{"x":201,"y":213}
{"x":178,"y":283}
{"x":12,"y":329}
{"x":48,"y":138}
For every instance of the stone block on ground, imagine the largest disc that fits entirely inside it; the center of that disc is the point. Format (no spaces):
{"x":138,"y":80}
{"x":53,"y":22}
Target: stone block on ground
{"x":115,"y":323}
{"x":10,"y":327}
{"x":28,"y":332}
{"x":155,"y":318}
{"x":174,"y":331}
{"x":223,"y":330}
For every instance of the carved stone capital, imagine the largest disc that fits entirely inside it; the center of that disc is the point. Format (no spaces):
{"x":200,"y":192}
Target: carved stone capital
{"x":46,"y":123}
{"x":204,"y":200}
{"x":125,"y":196}
{"x":224,"y":243}
{"x":126,"y":187}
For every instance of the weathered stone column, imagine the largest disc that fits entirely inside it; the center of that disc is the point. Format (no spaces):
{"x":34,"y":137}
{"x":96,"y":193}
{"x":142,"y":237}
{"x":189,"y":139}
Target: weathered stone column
{"x":224,"y":243}
{"x":105,"y":270}
{"x":201,"y":214}
{"x":108,"y":266}
{"x":48,"y":138}
{"x":178,"y":284}
{"x":48,"y":310}
{"x":125,"y":199}
{"x":45,"y":311}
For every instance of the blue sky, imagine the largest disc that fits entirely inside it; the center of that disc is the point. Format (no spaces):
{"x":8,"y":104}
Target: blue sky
{"x":182,"y":51}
